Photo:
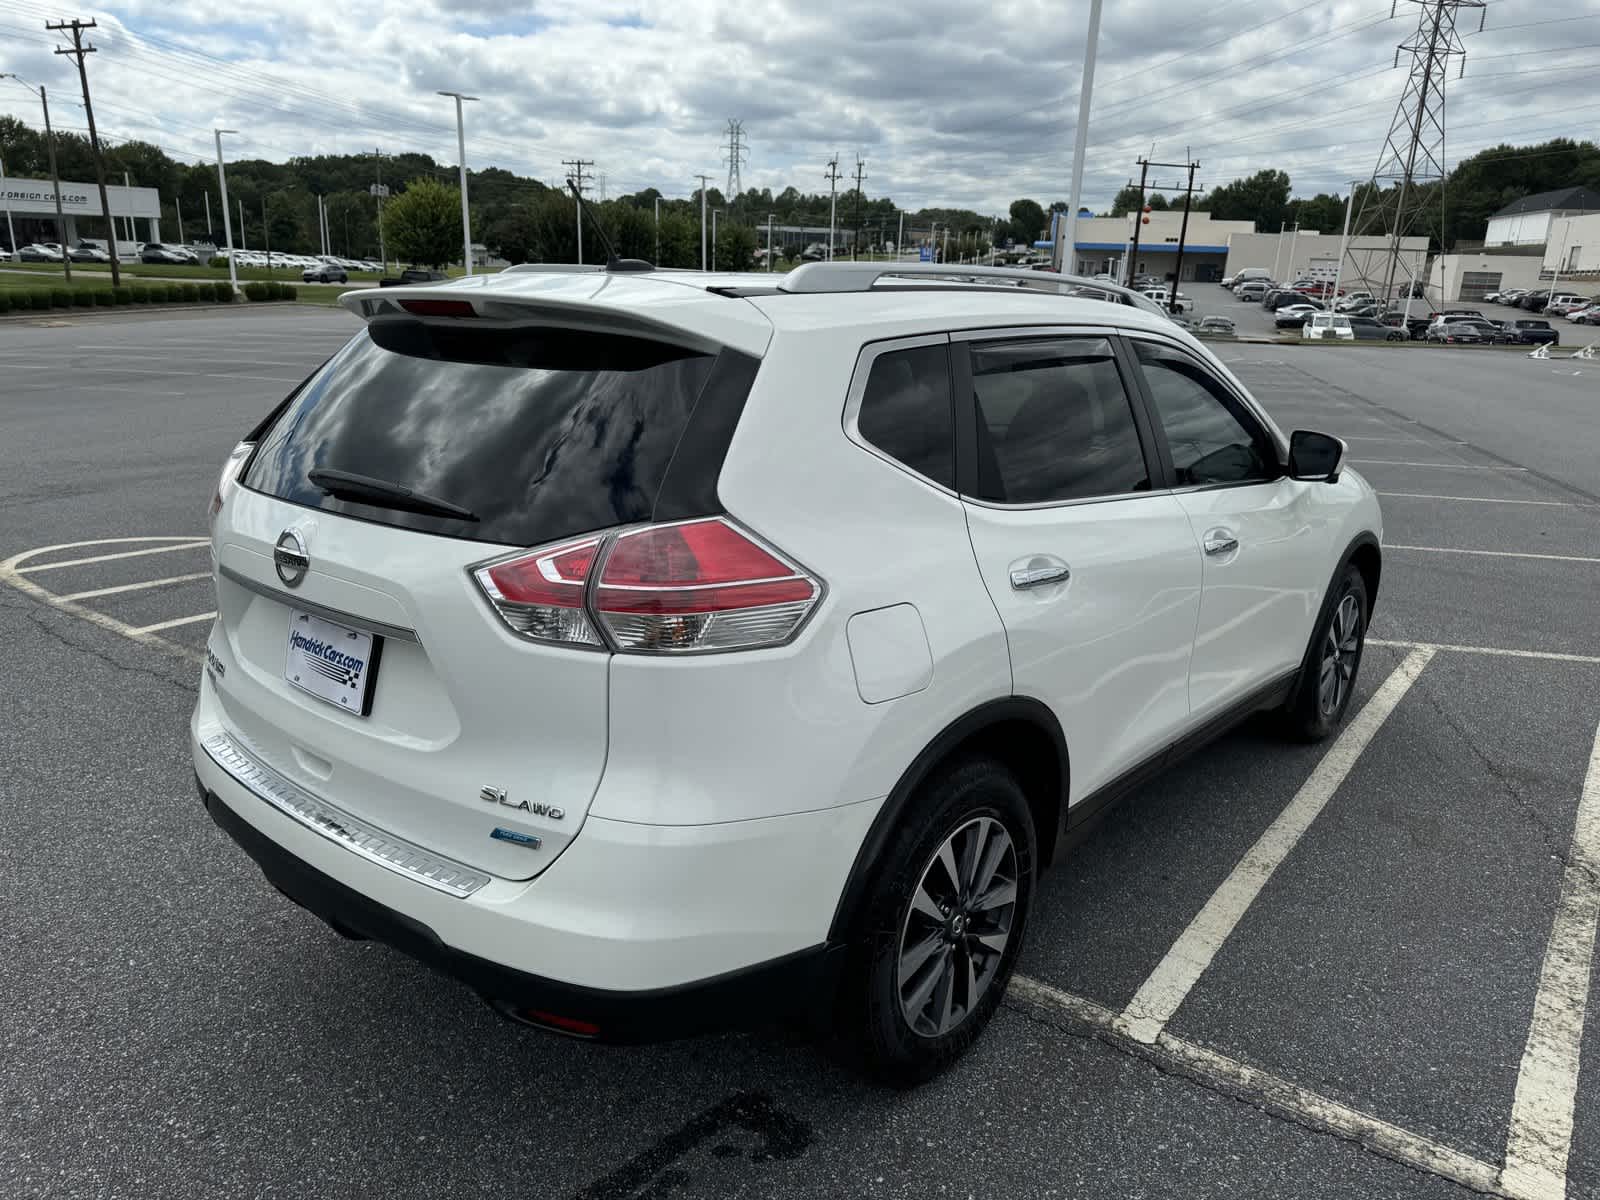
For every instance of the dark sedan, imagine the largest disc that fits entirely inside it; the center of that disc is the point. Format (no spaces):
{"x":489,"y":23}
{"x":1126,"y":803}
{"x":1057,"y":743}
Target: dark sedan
{"x":1456,"y":333}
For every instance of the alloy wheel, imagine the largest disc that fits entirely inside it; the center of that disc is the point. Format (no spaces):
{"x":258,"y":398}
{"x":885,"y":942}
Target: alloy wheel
{"x":1341,"y":650}
{"x":956,"y":929}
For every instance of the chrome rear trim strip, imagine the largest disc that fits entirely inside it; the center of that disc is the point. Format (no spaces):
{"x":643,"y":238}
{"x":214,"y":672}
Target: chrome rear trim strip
{"x":291,"y":600}
{"x":357,"y":836}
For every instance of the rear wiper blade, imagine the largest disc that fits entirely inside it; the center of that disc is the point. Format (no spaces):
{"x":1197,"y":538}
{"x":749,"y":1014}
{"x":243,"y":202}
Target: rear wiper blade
{"x":383,"y":494}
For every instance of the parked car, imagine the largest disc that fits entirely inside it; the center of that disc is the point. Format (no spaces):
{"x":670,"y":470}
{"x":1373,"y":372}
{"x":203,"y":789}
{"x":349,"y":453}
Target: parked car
{"x":1215,"y":325}
{"x":1455,"y":333}
{"x":1535,"y":301}
{"x":38,"y":253}
{"x":412,"y":275}
{"x":1287,"y":298}
{"x":1164,"y":298}
{"x":1252,"y":289}
{"x":1490,"y":330}
{"x":1251,"y":275}
{"x":1565,"y":306}
{"x":1226,"y":281}
{"x":1586,"y":316}
{"x":156,"y":253}
{"x":5,"y":254}
{"x":1532,"y":333}
{"x":1293,"y":316}
{"x":85,"y":252}
{"x":1364,"y":310}
{"x":1325,"y":326}
{"x":1507,"y":297}
{"x":1370,"y":329}
{"x":1415,"y":328}
{"x":511,"y":690}
{"x":325,"y":273}
{"x":1354,"y":300}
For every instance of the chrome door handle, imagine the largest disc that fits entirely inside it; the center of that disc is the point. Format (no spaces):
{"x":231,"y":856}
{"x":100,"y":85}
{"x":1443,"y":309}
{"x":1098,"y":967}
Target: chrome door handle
{"x":1220,"y":543}
{"x":1023,"y":578}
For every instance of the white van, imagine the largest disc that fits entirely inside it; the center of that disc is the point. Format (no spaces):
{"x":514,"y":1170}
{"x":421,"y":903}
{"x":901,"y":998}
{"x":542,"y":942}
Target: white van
{"x":1246,"y":274}
{"x":1328,"y":325}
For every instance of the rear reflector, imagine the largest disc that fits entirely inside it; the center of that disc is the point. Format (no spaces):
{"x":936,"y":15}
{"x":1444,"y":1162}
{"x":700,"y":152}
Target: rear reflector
{"x":692,"y":586}
{"x":439,"y":308}
{"x":550,"y":1020}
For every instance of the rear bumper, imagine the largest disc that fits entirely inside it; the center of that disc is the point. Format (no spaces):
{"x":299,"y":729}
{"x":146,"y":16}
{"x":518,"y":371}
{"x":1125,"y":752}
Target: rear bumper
{"x":797,"y":986}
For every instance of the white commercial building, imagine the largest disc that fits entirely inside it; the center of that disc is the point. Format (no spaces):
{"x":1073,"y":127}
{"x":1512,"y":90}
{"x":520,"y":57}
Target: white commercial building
{"x":1474,"y":276}
{"x":1574,"y":249}
{"x":32,"y":205}
{"x":1304,"y":254}
{"x":1102,"y":244}
{"x":1526,"y":222}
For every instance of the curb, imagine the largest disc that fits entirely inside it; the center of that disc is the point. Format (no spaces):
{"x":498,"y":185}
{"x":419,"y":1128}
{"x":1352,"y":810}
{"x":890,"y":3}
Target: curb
{"x":54,"y":315}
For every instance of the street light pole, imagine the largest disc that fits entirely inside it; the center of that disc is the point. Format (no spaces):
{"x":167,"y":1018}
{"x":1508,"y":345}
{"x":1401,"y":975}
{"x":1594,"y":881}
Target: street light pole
{"x":657,"y":259}
{"x":227,"y":221}
{"x":1067,"y":230}
{"x":461,"y":146}
{"x":715,"y":213}
{"x":11,"y":232}
{"x":769,"y":241}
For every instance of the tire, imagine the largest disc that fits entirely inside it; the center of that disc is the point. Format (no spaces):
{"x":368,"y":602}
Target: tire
{"x":905,"y":1035}
{"x":1332,"y":662}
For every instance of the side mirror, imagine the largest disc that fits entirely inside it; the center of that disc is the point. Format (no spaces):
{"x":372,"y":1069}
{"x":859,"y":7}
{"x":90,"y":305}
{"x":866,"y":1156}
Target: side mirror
{"x":1316,"y":456}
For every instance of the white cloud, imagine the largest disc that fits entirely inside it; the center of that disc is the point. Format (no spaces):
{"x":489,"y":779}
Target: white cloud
{"x":948,"y":104}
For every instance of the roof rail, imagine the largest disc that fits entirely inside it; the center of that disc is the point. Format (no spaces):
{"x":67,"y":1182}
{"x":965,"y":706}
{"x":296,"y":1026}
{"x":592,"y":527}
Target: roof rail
{"x":554,"y":268}
{"x":824,"y":278}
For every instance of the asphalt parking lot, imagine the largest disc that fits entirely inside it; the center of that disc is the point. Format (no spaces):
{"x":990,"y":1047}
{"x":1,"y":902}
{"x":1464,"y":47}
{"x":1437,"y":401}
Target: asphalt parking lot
{"x":1359,"y":969}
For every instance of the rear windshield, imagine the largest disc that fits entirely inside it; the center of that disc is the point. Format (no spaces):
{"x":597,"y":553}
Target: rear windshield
{"x":538,"y":433}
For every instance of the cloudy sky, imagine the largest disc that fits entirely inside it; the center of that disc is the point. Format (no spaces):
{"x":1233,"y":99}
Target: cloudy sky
{"x":949,"y":103}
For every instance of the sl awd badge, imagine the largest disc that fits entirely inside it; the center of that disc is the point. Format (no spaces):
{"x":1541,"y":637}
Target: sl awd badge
{"x":494,"y":795}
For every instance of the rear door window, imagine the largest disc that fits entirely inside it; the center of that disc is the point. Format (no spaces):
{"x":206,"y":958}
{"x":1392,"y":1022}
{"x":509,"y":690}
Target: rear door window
{"x":538,"y":433}
{"x":907,"y":410}
{"x":1054,"y":422}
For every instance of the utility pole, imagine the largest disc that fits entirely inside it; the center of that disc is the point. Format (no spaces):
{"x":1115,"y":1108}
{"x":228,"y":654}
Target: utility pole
{"x":861,"y":169}
{"x":379,"y":192}
{"x":1065,"y":251}
{"x":79,"y":51}
{"x":11,"y":231}
{"x":1183,"y":232}
{"x":266,"y":232}
{"x":715,"y":213}
{"x":769,"y":241}
{"x":704,"y":181}
{"x":240,"y":202}
{"x":737,"y":156}
{"x":127,"y":186}
{"x":461,"y":147}
{"x":832,"y":176}
{"x":55,"y":179}
{"x":1138,"y":224}
{"x":177,"y":202}
{"x":576,"y":178}
{"x":900,"y":238}
{"x":227,"y":226}
{"x":208,"y":218}
{"x":657,"y":259}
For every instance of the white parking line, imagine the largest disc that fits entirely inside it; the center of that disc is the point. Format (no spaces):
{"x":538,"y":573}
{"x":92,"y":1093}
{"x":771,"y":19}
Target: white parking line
{"x":1391,"y":462}
{"x":1547,"y":655}
{"x":1160,"y":995}
{"x":1485,"y":500}
{"x":174,"y":623}
{"x":100,"y":558}
{"x":138,"y":587}
{"x":1578,"y":558}
{"x":1547,"y":1084}
{"x":1272,"y":1092}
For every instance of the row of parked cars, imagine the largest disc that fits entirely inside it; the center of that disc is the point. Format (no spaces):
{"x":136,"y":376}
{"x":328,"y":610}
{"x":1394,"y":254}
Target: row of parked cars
{"x":1579,"y":309}
{"x":1452,"y":326}
{"x":318,"y":268}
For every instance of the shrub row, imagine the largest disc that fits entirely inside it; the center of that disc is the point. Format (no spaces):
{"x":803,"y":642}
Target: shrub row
{"x":42,"y":298}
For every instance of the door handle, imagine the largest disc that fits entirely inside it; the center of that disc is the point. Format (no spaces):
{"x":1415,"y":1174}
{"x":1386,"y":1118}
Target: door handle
{"x":1220,"y":541}
{"x":1023,"y":578}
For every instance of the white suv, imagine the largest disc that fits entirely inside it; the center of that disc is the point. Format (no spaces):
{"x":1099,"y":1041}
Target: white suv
{"x":661,"y":652}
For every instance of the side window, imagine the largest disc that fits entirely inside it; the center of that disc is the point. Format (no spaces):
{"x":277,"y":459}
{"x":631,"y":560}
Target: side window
{"x":1054,"y":422}
{"x":1212,"y":438}
{"x":907,"y":412}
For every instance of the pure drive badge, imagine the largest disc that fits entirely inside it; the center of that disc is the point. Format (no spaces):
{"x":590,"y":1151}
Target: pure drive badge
{"x":496,"y":795}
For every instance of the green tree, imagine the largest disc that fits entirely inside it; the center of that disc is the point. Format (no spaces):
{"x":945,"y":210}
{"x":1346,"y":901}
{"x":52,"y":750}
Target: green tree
{"x":1125,"y":201}
{"x":513,"y":236}
{"x":736,"y":247}
{"x":1263,"y":198}
{"x":1028,"y":222}
{"x":422,"y":225}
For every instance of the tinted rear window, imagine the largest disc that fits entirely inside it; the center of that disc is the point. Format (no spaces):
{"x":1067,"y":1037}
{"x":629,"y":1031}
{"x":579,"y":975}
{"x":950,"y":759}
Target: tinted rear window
{"x":907,"y":410}
{"x":539,"y":433}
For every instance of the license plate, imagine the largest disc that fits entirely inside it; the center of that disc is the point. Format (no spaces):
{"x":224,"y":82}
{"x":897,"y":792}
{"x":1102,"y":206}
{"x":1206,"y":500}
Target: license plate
{"x":332,"y":661}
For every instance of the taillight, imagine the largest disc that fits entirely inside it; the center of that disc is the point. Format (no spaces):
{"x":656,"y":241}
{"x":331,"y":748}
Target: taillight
{"x":693,"y":586}
{"x":229,"y":476}
{"x":541,"y":595}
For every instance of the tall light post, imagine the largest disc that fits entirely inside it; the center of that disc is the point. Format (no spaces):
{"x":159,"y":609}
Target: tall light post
{"x":11,"y":232}
{"x":715,"y":213}
{"x":657,"y":259}
{"x":1067,"y":230}
{"x":461,"y":147}
{"x":227,"y":221}
{"x":769,"y":241}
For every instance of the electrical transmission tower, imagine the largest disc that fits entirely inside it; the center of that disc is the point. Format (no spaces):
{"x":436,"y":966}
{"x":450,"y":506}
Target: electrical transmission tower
{"x":1412,"y":158}
{"x":738,"y":155}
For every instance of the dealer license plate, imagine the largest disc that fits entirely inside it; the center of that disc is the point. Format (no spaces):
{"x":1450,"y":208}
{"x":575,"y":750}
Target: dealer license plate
{"x":332,"y":661}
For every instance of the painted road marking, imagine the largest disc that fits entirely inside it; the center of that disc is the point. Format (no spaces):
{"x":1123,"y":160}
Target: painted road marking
{"x":1485,"y":499}
{"x":1547,"y":1084}
{"x":175,"y":622}
{"x":1493,"y":553}
{"x":1546,"y":655}
{"x":189,"y":544}
{"x":138,"y":587}
{"x":1391,"y":462}
{"x":1160,"y":995}
{"x":1270,"y":1091}
{"x":12,"y":573}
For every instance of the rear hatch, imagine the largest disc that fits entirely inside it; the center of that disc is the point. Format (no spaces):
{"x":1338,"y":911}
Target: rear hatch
{"x":475,"y":741}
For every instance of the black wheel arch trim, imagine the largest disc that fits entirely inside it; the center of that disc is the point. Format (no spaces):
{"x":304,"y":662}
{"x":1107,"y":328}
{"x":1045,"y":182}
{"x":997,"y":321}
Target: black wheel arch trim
{"x":884,"y":825}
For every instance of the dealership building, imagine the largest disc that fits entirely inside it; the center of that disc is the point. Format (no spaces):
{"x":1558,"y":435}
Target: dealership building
{"x":31,"y":205}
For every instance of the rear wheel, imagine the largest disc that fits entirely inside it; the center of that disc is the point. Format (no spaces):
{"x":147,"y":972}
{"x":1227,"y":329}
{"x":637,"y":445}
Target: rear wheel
{"x":1328,"y":678}
{"x":943,"y":924}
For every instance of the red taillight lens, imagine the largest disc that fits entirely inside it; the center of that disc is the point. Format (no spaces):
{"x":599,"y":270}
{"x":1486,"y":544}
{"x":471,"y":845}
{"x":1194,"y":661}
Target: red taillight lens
{"x":699,"y":585}
{"x":541,"y":594}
